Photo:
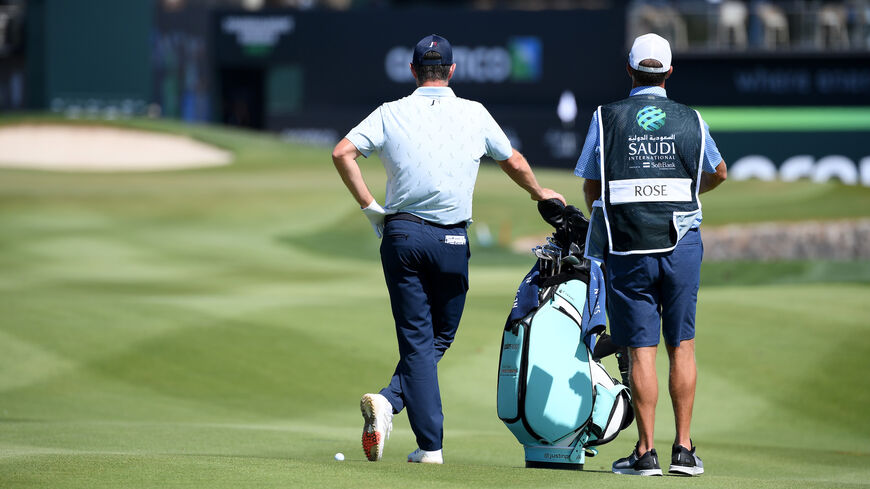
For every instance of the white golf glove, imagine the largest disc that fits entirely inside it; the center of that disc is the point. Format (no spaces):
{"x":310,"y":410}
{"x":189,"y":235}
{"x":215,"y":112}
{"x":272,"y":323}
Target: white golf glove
{"x":375,"y":213}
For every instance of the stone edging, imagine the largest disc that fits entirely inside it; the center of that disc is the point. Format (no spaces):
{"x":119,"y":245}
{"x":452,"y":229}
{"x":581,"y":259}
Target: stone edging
{"x":772,"y":241}
{"x":808,"y":240}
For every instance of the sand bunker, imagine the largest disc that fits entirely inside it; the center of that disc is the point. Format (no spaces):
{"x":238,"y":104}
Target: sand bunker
{"x":97,"y":148}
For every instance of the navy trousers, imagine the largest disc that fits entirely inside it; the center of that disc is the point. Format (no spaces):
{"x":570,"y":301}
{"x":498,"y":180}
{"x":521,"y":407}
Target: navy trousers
{"x":426,"y":270}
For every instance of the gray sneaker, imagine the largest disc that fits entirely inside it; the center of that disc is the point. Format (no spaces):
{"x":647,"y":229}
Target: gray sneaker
{"x":685,"y":462}
{"x":636,"y":464}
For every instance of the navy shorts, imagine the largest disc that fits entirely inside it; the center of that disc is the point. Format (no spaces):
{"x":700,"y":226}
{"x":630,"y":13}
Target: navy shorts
{"x":655,"y":294}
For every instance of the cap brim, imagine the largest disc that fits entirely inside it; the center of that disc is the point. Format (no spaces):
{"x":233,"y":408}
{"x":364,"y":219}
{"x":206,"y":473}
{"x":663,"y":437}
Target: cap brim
{"x":649,"y":69}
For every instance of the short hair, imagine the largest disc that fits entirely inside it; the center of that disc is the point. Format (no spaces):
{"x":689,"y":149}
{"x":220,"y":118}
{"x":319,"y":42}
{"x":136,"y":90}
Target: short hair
{"x":432,"y":72}
{"x":646,"y":79}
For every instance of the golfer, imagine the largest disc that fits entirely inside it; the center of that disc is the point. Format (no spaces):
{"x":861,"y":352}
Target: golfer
{"x":645,"y":160}
{"x":430,"y":144}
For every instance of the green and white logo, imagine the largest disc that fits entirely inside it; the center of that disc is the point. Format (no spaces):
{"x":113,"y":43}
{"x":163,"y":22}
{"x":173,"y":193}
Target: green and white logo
{"x":651,"y":118}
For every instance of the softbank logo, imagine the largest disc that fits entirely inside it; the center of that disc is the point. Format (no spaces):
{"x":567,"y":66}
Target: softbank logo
{"x":832,"y":167}
{"x":519,"y":61}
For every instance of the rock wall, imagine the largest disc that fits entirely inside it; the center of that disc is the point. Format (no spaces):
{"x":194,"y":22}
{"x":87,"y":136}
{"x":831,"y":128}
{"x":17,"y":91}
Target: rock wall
{"x":831,"y":240}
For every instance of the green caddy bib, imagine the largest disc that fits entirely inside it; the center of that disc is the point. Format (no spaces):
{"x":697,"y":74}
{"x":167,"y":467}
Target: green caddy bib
{"x":651,"y":149}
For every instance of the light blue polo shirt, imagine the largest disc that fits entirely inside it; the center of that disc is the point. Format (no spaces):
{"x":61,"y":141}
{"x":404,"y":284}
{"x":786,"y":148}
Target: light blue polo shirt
{"x":588,"y":165}
{"x":430,"y":143}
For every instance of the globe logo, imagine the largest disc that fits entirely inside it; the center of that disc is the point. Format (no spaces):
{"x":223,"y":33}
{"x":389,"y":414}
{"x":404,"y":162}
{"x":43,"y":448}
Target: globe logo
{"x":651,"y":118}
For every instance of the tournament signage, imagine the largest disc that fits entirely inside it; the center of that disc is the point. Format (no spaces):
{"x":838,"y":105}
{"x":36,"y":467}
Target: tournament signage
{"x":823,"y":79}
{"x":360,"y":58}
{"x":534,"y":71}
{"x":814,"y":143}
{"x":541,"y":74}
{"x":789,"y":156}
{"x":258,"y":35}
{"x":520,"y":60}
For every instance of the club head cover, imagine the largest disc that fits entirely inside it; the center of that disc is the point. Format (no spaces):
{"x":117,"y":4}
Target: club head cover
{"x":553,"y":212}
{"x":576,"y":225}
{"x":604,"y":347}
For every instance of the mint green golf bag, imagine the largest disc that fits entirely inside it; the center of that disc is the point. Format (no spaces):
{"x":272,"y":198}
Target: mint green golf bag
{"x":552,"y":395}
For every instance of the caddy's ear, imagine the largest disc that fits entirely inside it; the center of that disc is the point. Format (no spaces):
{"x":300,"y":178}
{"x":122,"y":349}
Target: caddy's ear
{"x":452,"y":69}
{"x":413,"y":72}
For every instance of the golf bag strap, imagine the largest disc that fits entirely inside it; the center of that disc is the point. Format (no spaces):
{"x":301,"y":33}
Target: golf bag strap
{"x":579,"y":446}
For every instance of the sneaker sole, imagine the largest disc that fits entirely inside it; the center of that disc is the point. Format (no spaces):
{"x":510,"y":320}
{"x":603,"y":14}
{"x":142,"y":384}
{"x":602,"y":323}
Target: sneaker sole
{"x":372,"y":440}
{"x":685,"y":471}
{"x":646,"y":472}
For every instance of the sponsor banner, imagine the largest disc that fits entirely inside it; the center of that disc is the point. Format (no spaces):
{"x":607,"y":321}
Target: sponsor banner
{"x":363,"y":56}
{"x":770,"y":80}
{"x":518,"y":60}
{"x":257,"y":35}
{"x":650,"y":190}
{"x":817,"y":156}
{"x":531,"y":70}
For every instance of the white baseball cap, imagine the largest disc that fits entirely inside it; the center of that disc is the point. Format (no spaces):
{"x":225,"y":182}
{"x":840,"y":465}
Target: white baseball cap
{"x":650,"y":46}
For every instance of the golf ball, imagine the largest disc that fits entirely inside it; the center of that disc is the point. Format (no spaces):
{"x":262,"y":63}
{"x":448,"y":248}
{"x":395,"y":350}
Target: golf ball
{"x":339,"y":456}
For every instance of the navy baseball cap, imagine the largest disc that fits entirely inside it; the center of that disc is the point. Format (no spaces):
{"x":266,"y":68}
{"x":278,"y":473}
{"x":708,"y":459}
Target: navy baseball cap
{"x":433,"y":43}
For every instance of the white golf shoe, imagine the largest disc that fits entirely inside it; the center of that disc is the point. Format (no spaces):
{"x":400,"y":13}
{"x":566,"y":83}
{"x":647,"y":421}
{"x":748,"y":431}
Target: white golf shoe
{"x":426,"y":457}
{"x":378,"y":414}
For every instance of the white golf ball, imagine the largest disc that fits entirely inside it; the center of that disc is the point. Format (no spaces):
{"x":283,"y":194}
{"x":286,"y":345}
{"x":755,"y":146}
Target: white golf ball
{"x":339,"y":456}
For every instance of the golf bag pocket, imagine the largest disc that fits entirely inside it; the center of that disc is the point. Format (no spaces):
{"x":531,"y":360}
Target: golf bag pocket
{"x":509,"y":372}
{"x":611,"y":413}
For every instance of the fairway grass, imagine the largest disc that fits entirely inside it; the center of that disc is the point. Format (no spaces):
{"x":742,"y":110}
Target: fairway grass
{"x":216,"y":328}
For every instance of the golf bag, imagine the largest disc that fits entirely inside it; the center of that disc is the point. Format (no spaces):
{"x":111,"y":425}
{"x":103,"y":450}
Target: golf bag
{"x":553,"y":393}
